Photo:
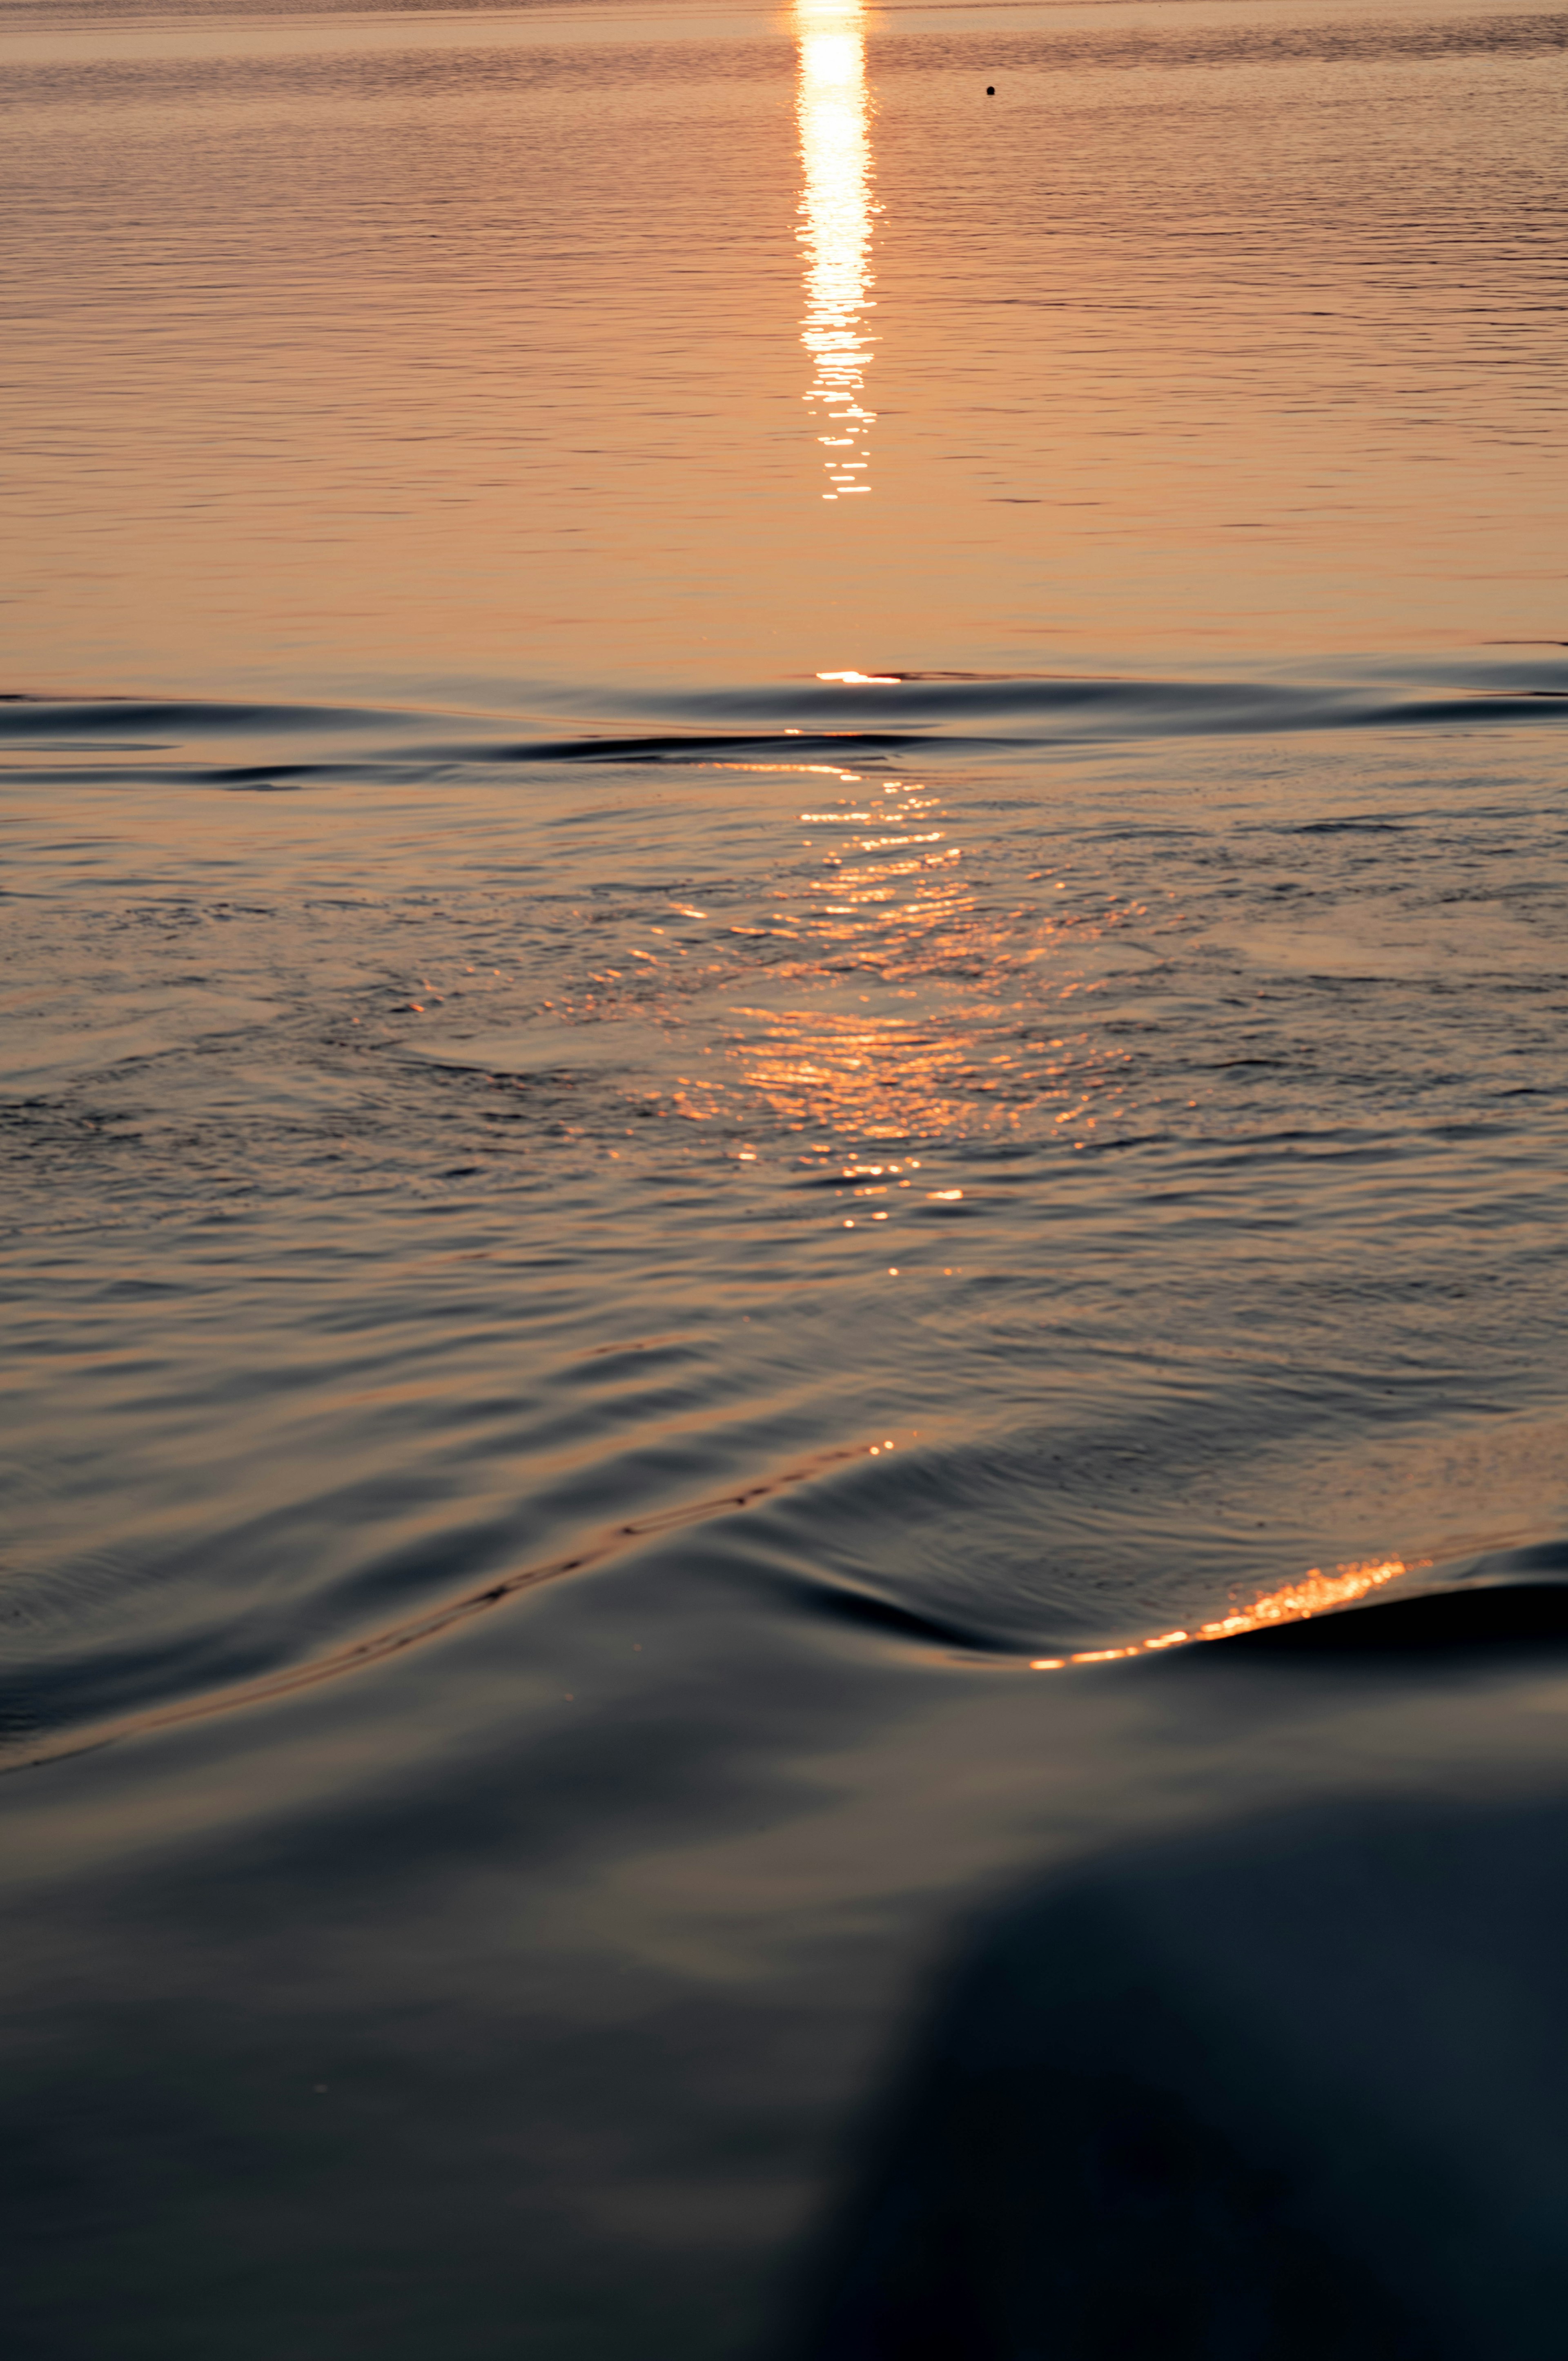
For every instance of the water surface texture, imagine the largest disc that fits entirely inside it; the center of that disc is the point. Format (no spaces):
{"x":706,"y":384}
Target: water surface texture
{"x":785,"y":951}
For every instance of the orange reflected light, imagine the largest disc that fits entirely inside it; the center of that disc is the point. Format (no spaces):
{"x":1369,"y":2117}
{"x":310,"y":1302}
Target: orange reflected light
{"x":833,"y":112}
{"x":1316,"y":1594}
{"x":906,"y":1006}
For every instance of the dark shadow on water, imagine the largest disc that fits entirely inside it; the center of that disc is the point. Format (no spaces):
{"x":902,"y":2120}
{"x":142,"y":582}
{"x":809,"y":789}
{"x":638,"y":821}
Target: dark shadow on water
{"x":1276,"y":2089}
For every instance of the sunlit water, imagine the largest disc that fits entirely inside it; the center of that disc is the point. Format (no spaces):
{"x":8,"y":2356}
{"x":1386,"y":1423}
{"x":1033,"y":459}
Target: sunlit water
{"x":784,"y":935}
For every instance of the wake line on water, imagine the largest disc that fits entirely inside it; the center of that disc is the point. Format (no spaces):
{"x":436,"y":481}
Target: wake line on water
{"x":434,"y":1624}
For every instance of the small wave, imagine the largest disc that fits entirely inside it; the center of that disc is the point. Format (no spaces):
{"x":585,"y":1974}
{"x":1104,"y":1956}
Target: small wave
{"x":41,"y":720}
{"x":1472,"y":1616}
{"x":849,"y":718}
{"x":1516,"y":1599}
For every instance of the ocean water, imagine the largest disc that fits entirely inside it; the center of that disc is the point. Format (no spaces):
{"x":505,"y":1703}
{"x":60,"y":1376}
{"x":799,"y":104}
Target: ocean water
{"x":784,"y":953}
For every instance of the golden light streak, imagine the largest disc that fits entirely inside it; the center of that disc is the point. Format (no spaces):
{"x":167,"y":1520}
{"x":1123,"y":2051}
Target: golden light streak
{"x":836,"y":208}
{"x":896,"y":1003}
{"x":1316,"y":1594}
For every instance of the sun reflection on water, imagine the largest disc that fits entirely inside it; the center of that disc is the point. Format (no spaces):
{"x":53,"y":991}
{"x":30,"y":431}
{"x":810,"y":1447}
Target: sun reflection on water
{"x":836,"y":208}
{"x":1317,"y":1593}
{"x":850,"y":1032}
{"x":887,"y":993}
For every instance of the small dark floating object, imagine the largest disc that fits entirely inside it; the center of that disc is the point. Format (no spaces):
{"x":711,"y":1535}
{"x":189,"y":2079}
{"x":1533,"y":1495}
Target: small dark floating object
{"x":990,"y":90}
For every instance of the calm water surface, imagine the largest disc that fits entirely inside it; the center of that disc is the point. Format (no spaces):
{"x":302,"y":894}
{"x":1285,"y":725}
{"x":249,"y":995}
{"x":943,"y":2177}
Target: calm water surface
{"x":785,"y":932}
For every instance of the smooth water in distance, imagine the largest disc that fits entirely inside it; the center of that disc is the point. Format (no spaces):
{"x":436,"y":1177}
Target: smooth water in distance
{"x":785,"y":932}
